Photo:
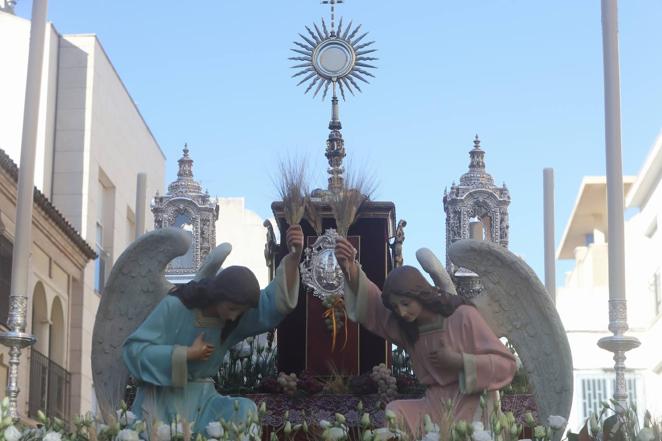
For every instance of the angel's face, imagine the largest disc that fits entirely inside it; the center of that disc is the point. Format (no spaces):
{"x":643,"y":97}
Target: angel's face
{"x":407,"y":308}
{"x":230,"y":311}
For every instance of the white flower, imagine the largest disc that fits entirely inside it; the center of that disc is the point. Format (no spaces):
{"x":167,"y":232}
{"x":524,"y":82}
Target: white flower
{"x":52,"y":436}
{"x":481,"y":435}
{"x":645,"y":434}
{"x":130,"y":417}
{"x":384,"y":434}
{"x":431,"y":436}
{"x":243,"y":350}
{"x":127,"y":435}
{"x":214,"y":429}
{"x":334,"y":434}
{"x":163,"y":432}
{"x":12,"y":433}
{"x":556,"y":422}
{"x":477,"y":426}
{"x":324,"y":424}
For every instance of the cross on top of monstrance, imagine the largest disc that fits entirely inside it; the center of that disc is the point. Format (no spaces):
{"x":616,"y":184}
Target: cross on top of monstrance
{"x":330,"y":58}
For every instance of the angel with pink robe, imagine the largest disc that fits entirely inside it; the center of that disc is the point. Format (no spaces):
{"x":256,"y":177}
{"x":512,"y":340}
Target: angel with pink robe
{"x":453,"y":350}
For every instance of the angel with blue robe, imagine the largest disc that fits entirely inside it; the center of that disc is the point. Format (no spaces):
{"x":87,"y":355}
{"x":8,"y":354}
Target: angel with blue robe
{"x":176,"y":350}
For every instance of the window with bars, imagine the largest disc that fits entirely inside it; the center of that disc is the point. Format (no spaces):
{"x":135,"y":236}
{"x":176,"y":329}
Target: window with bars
{"x":598,"y":388}
{"x":100,"y":263}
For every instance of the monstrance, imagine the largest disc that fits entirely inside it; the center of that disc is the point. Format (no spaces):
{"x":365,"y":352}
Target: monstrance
{"x":335,"y":56}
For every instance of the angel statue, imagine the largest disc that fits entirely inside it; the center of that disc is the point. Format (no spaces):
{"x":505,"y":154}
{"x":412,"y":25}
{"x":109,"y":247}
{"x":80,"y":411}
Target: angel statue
{"x":454,"y":342}
{"x":172,"y":340}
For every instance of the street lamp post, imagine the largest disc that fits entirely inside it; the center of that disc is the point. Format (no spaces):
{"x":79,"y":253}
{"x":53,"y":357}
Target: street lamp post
{"x":16,"y":338}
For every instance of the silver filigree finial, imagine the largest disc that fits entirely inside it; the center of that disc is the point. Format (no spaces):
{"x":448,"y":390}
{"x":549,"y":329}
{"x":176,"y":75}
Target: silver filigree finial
{"x":185,"y":184}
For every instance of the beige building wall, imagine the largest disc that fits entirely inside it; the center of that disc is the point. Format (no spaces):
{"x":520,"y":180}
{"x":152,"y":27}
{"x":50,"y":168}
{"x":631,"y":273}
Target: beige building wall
{"x":57,"y":262}
{"x":243,"y":229}
{"x":102,"y":143}
{"x":15,"y":33}
{"x":92,"y":143}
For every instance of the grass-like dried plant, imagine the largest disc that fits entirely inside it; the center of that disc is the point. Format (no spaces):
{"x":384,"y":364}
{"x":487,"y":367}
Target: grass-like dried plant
{"x":292,"y":187}
{"x":346,"y":204}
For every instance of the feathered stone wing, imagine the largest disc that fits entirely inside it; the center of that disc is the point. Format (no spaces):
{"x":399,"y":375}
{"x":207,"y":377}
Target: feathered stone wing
{"x":213,"y":261}
{"x":135,"y":286}
{"x":436,"y":270}
{"x":516,"y":305}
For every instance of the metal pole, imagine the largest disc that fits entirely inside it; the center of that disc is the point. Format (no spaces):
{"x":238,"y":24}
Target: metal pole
{"x":550,"y":261}
{"x":618,"y":343}
{"x":16,"y":338}
{"x":141,"y":198}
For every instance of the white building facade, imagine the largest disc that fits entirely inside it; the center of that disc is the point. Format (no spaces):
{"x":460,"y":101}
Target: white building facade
{"x":92,"y":143}
{"x":582,"y":301}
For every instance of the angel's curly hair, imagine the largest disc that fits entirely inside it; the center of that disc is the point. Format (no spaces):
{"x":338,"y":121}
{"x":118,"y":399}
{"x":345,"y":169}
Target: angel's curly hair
{"x":236,"y":284}
{"x":407,"y":281}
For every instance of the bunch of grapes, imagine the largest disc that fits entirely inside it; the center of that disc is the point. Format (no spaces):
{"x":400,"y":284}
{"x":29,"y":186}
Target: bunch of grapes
{"x":288,"y":382}
{"x":386,"y":383}
{"x":330,"y":302}
{"x":309,"y":384}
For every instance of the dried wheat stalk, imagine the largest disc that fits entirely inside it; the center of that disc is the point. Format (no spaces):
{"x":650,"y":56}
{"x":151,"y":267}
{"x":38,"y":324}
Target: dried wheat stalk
{"x":292,"y":186}
{"x":347,"y":203}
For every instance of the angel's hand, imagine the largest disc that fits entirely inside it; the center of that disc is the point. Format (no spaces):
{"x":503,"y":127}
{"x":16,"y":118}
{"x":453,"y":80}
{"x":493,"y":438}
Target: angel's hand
{"x":200,"y":349}
{"x":294,"y":239}
{"x":445,"y":358}
{"x":346,"y":257}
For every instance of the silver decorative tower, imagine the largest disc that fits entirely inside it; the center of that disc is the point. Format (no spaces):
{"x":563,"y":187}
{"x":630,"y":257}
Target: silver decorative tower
{"x":333,"y":58}
{"x":475,"y":209}
{"x":186,"y":206}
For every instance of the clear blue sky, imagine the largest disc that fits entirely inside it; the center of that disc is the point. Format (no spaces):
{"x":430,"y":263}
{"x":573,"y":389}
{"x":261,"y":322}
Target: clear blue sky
{"x":525,"y":75}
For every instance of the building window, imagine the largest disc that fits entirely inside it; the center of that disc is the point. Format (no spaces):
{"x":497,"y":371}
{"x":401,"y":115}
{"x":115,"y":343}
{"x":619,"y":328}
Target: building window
{"x":599,"y":388}
{"x":100,"y":263}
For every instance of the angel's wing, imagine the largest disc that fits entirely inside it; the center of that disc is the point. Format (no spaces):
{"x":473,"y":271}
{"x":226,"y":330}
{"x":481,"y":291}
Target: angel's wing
{"x":516,"y":305}
{"x":436,"y":270}
{"x":213,"y":261}
{"x":135,"y":285}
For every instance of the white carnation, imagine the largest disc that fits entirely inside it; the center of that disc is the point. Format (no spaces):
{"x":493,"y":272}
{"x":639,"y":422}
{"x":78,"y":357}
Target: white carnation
{"x":53,"y":436}
{"x":556,"y":422}
{"x":127,"y":435}
{"x":477,"y":426}
{"x":214,"y":429}
{"x":481,"y":435}
{"x":12,"y":433}
{"x":129,"y":418}
{"x":431,"y":436}
{"x":163,"y":432}
{"x":384,"y":434}
{"x":334,"y":434}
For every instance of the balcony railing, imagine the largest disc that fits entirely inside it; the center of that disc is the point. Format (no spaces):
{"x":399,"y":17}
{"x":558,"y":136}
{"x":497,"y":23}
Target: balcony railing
{"x":50,"y":387}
